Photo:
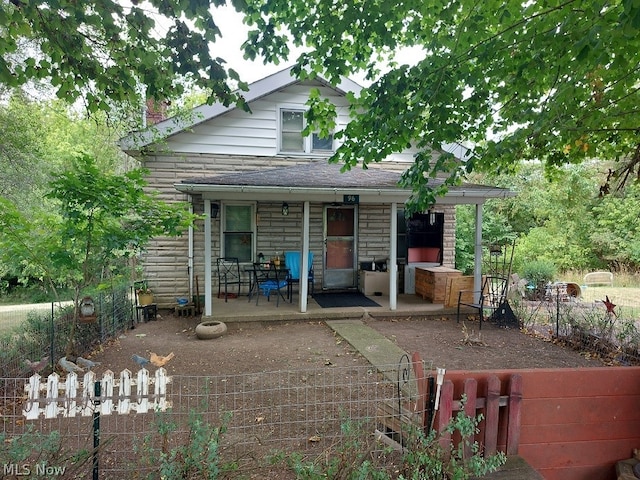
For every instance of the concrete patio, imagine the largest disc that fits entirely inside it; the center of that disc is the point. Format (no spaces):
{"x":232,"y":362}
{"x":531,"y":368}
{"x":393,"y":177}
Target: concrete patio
{"x":242,"y":310}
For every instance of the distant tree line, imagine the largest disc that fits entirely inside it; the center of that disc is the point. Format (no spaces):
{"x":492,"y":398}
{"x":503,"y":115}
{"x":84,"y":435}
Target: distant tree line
{"x":565,"y":220}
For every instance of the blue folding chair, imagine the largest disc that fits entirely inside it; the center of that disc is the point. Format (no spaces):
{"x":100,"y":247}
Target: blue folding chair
{"x":292,"y":261}
{"x":272,"y":281}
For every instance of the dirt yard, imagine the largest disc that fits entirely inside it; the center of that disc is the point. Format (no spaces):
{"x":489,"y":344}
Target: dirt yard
{"x":263,"y":347}
{"x":313,"y":381}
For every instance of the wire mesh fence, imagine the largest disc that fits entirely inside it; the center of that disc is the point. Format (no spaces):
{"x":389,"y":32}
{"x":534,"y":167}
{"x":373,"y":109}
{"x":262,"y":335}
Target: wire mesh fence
{"x":234,"y":420}
{"x":31,"y":333}
{"x":596,"y":327}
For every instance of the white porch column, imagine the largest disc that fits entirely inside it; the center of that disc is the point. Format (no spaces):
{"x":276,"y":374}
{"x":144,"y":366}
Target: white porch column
{"x":392,"y":264}
{"x":477,"y":267}
{"x":304,"y":261}
{"x":207,"y":259}
{"x":190,"y":259}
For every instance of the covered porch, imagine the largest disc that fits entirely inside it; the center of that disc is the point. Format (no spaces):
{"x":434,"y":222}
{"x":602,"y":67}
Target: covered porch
{"x":241,"y":309}
{"x":310,"y":191}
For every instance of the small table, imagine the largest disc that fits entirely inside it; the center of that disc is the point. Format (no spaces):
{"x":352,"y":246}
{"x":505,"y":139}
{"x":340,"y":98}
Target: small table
{"x":149,"y":312}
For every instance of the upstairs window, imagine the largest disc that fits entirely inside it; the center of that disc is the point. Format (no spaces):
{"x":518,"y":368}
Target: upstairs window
{"x":291,"y":140}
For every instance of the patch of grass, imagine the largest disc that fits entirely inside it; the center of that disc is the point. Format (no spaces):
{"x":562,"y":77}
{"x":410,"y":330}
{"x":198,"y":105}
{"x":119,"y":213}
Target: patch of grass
{"x":31,"y":294}
{"x":624,"y":297}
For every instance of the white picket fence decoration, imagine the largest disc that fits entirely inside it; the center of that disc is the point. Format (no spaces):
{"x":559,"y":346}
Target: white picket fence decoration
{"x":73,"y":398}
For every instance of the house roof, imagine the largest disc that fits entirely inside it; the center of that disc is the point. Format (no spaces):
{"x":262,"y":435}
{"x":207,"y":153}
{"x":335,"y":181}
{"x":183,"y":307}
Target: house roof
{"x":136,"y":141}
{"x":323,"y":181}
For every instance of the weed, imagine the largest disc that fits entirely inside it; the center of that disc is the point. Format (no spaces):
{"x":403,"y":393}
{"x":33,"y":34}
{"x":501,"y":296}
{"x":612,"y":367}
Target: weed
{"x":355,"y":457}
{"x":427,"y":459}
{"x":37,"y":455}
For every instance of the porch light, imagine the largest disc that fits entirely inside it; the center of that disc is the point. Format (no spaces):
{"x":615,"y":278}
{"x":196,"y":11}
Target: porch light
{"x":432,"y":217}
{"x":215,"y":208}
{"x":285,"y":209}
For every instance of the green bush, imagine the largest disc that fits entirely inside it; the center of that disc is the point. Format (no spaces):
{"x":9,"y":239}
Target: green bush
{"x":539,"y":272}
{"x":196,"y":455}
{"x":427,"y":459}
{"x":36,"y":455}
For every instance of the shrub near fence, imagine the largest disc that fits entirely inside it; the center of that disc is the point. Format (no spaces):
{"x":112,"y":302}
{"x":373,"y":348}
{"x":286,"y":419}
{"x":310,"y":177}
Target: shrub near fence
{"x":44,"y":332}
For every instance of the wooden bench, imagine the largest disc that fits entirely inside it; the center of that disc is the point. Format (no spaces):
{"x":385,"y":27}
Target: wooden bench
{"x":598,"y":278}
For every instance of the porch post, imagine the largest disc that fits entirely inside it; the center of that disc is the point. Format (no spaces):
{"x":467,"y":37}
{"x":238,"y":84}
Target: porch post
{"x":190,"y":259}
{"x":304,"y":261}
{"x":477,"y":268}
{"x":392,"y":264}
{"x":207,"y":258}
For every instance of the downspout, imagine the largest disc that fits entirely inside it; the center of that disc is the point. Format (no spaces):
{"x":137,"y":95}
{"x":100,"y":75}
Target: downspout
{"x":208,"y":307}
{"x":304,"y":260}
{"x":190,"y":261}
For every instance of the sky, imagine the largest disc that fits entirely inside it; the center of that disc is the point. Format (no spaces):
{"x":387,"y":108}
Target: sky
{"x":234,"y":33}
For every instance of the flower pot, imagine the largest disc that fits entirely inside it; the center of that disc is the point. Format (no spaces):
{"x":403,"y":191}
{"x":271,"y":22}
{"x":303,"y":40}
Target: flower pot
{"x":145,"y":298}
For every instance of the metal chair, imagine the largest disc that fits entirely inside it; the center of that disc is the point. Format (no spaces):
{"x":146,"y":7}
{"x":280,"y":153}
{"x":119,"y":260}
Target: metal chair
{"x":228,"y":274}
{"x":493,"y":296}
{"x":292,"y":261}
{"x":268,"y":281}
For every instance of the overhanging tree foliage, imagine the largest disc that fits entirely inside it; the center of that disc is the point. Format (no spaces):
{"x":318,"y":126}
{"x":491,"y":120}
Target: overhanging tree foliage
{"x":98,"y":221}
{"x":106,"y":52}
{"x":555,"y":81}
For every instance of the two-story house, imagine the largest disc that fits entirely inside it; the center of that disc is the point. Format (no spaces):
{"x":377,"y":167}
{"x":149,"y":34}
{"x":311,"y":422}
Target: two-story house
{"x":264,"y":188}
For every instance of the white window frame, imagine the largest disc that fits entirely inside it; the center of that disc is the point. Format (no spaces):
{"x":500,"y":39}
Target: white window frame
{"x":254,"y":228}
{"x":307,"y":141}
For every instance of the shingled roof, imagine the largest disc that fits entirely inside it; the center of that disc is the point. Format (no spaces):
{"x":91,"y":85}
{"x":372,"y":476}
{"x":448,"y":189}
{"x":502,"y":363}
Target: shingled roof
{"x":323,"y":181}
{"x":319,"y":174}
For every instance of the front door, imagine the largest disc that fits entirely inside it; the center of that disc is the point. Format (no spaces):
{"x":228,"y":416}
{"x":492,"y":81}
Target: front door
{"x":340,"y":255}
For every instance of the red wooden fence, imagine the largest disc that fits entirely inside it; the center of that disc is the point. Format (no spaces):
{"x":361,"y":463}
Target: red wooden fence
{"x":575,"y":423}
{"x":501,"y":413}
{"x":567,"y":423}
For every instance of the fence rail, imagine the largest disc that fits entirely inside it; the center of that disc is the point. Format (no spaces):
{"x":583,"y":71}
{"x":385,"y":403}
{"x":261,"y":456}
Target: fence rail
{"x":287,"y":411}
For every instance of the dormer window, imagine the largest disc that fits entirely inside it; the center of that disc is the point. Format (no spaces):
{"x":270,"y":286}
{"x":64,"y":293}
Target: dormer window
{"x":292,"y":124}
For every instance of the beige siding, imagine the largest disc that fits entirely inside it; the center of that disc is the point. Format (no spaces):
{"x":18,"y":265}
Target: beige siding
{"x":251,"y":134}
{"x":236,"y":142}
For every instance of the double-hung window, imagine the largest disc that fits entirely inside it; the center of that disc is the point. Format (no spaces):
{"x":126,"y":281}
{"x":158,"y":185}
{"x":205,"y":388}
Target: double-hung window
{"x":238,"y":234}
{"x":292,"y":123}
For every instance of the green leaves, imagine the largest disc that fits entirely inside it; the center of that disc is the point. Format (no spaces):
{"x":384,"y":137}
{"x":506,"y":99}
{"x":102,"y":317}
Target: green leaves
{"x":99,"y":47}
{"x":552,"y":82}
{"x":98,"y":220}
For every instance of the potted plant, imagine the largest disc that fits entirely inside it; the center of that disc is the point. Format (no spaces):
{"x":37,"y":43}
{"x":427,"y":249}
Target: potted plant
{"x":145,"y":295}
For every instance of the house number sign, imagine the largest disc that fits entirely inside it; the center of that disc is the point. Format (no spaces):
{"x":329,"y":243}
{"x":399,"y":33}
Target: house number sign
{"x":351,"y":199}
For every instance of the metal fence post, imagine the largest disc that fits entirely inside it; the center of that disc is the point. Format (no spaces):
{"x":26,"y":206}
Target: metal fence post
{"x":96,"y":427}
{"x":52,"y":337}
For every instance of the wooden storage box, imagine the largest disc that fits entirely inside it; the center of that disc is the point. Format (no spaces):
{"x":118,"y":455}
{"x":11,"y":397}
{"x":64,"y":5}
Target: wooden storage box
{"x":454,"y":286}
{"x":431,"y":283}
